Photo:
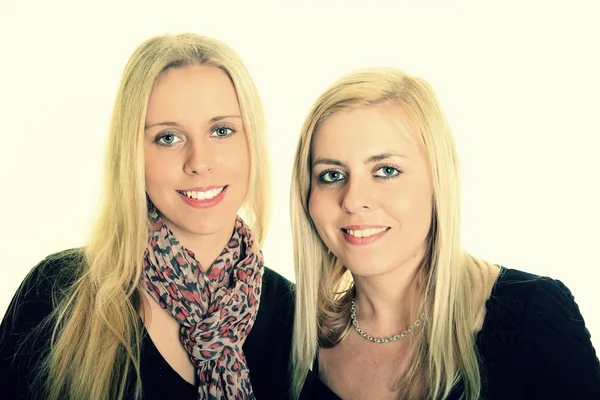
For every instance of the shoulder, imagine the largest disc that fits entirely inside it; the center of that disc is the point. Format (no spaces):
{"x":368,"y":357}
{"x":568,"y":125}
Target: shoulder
{"x":59,"y":268}
{"x":28,"y":321}
{"x":267,"y":347}
{"x":276,"y":309}
{"x":538,"y":297}
{"x":535,"y":302}
{"x":54,"y":272}
{"x":540,"y":314}
{"x":277,"y":295}
{"x":277,"y":285}
{"x":41,"y":287}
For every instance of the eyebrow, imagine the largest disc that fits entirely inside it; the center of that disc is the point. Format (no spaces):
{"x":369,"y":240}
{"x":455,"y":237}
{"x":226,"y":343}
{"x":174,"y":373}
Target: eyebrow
{"x":383,"y":156}
{"x":372,"y":159}
{"x":171,"y":123}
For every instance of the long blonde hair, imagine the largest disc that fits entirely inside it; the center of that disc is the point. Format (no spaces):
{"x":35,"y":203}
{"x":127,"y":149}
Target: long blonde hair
{"x":95,"y":344}
{"x":444,"y":351}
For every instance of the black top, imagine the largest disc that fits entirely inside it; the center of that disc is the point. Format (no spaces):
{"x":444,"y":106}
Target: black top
{"x":533,"y":345}
{"x":267,"y":347}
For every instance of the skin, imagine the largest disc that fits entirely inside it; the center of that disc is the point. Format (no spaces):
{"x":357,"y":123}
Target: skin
{"x":206,"y":145}
{"x":194,"y":137}
{"x":383,"y":181}
{"x":370,"y":169}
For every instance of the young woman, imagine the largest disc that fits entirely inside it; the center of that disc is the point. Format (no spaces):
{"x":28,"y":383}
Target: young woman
{"x":388,"y":304}
{"x":170,"y":298}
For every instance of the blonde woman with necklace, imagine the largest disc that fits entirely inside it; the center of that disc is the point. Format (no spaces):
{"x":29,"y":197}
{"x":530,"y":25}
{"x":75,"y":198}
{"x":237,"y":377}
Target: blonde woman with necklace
{"x":389,"y":306}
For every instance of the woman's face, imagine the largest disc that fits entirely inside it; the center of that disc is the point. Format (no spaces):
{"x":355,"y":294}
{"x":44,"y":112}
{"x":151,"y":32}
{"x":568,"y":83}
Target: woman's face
{"x":197,"y":158}
{"x":371,"y":189}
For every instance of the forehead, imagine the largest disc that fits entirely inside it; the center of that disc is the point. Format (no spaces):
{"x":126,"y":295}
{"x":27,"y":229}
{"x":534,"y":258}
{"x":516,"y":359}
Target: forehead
{"x":192,"y":90}
{"x":356,"y":133}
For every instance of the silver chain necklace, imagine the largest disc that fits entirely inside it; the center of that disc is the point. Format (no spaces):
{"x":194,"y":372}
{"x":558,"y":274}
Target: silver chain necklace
{"x":384,"y":339}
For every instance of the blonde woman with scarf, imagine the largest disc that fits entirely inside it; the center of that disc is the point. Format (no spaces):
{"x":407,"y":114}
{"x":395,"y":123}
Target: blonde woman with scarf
{"x":170,"y":298}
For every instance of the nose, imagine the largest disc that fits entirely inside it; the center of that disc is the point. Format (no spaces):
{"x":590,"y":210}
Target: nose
{"x":200,"y":158}
{"x":357,"y":196}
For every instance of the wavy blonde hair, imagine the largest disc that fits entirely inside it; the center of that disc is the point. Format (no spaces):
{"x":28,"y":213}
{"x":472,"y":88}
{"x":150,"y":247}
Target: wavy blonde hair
{"x":444,"y":351}
{"x":96,"y":337}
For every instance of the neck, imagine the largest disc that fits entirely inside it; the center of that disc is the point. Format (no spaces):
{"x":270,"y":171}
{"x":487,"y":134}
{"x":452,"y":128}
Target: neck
{"x":387,"y":304}
{"x":206,"y":248}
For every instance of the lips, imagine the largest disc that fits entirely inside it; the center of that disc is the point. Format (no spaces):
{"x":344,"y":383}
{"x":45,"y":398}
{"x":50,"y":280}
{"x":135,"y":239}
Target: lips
{"x":363,"y":234}
{"x":364,"y":231}
{"x":202,"y":199}
{"x":206,"y":194}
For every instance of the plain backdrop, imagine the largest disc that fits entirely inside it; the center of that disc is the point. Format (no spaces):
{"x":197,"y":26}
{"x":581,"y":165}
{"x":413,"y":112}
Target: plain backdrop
{"x":518,"y":80}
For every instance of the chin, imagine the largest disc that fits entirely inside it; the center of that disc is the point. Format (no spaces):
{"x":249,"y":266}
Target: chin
{"x":205,"y":225}
{"x":185,"y":223}
{"x":367,"y":272}
{"x":366,"y":268}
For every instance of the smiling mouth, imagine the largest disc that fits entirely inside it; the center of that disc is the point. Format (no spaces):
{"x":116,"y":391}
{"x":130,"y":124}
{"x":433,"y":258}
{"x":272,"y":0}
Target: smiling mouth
{"x":204,"y":195}
{"x":364,"y":233}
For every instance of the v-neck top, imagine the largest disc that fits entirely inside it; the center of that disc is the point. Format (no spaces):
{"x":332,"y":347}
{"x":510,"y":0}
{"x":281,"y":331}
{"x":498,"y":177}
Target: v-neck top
{"x":267,"y":347}
{"x":533,"y":345}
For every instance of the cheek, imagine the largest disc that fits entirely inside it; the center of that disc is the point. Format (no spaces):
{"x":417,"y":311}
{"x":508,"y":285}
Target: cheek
{"x":242,"y":164}
{"x":322,"y":210}
{"x":236,"y":161}
{"x":412,"y":210}
{"x":158,"y":170}
{"x":319,"y":219}
{"x":315,"y":207}
{"x":151,"y":169}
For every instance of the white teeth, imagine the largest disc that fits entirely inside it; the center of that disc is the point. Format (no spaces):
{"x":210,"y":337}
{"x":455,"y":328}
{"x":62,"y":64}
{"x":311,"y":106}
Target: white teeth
{"x":207,"y":195}
{"x":365,"y":232}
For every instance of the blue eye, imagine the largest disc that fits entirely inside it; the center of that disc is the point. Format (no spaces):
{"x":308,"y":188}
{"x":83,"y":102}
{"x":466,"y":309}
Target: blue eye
{"x":387,"y":172}
{"x":331,"y":176}
{"x":223,"y":131}
{"x":167,"y":139}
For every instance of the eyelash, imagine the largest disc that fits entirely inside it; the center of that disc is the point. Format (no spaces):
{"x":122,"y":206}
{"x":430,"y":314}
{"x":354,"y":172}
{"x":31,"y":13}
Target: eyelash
{"x":162,"y":136}
{"x":224,"y":126}
{"x":216,"y":128}
{"x":324,"y":173}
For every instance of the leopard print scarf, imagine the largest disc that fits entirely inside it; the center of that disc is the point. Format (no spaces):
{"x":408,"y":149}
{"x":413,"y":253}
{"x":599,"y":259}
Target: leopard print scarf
{"x":216,"y":308}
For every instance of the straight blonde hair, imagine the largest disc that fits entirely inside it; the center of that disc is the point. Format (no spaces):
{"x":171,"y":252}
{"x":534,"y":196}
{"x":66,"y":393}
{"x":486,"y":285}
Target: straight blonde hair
{"x":444,"y":351}
{"x":96,"y":336}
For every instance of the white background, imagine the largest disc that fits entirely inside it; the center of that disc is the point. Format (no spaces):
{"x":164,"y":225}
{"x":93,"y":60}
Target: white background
{"x":519,"y":81}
